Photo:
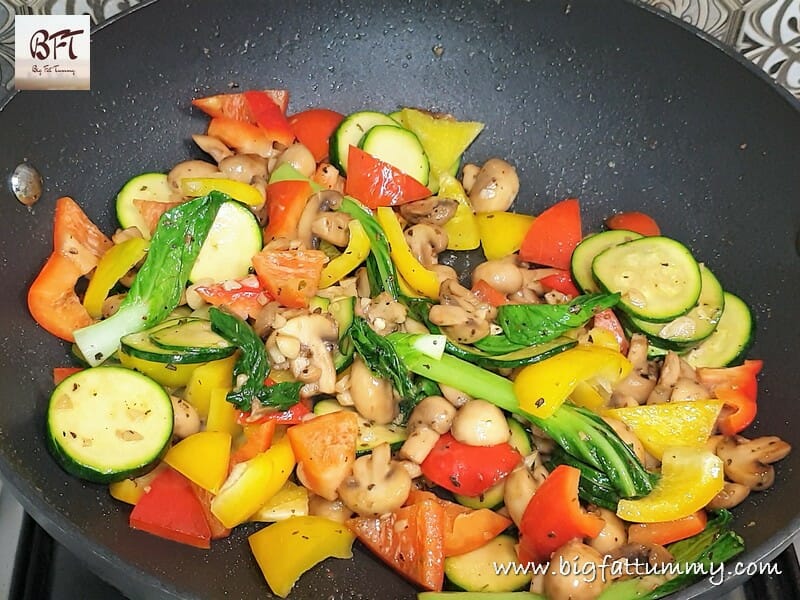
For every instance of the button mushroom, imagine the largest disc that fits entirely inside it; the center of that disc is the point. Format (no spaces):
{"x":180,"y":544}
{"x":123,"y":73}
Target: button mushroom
{"x":186,"y":421}
{"x":377,"y":485}
{"x":732,"y":494}
{"x":316,"y":333}
{"x":520,"y":485}
{"x":247,"y":168}
{"x":636,"y":387}
{"x":503,"y":275}
{"x":384,"y":314}
{"x":480,"y":423}
{"x":300,"y":157}
{"x":430,"y":211}
{"x":430,"y":418}
{"x":335,"y":510}
{"x":641,"y":558}
{"x":372,"y":396}
{"x":426,"y":242}
{"x":496,"y":186}
{"x":670,"y":372}
{"x":333,"y":228}
{"x":749,"y":462}
{"x":461,"y":314}
{"x":189,"y":168}
{"x":319,"y":203}
{"x":576,"y":573}
{"x":612,"y":536}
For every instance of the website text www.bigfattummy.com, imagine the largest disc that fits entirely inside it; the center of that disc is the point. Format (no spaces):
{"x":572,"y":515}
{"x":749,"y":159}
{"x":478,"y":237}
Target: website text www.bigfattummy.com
{"x":612,"y":569}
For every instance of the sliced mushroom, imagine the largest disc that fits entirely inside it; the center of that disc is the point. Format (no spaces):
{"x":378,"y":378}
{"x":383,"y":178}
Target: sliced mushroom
{"x":612,"y":536}
{"x":496,"y":186}
{"x":384,"y":314}
{"x":503,"y":275}
{"x":335,"y":510}
{"x":480,"y":423}
{"x":584,"y":579}
{"x":320,"y":202}
{"x":433,"y":412}
{"x":372,"y":396}
{"x":246,"y":168}
{"x":189,"y":168}
{"x":377,"y":485}
{"x":426,"y":242}
{"x":431,"y":211}
{"x":212,"y":146}
{"x":467,"y":325}
{"x":299,"y":157}
{"x":316,"y":333}
{"x":332,"y":227}
{"x":186,"y":421}
{"x":418,"y":444}
{"x":637,"y":386}
{"x":732,"y":494}
{"x":670,"y":372}
{"x":749,"y":462}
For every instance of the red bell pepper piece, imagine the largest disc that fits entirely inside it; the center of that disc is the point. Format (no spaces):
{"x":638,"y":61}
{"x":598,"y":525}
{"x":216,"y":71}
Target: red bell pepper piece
{"x":218,"y":530}
{"x":234,"y":106}
{"x":468,"y":470}
{"x":486,"y":293}
{"x":258,"y":439}
{"x":634,"y":221}
{"x":314,"y":127}
{"x":78,"y":245}
{"x":61,"y":373}
{"x":170,"y":509}
{"x":291,"y":416}
{"x":607,"y":319}
{"x":553,"y":235}
{"x":409,"y":540}
{"x":285,"y":203}
{"x":377,"y":183}
{"x":241,"y":136}
{"x":561,"y":282}
{"x":554,"y":516}
{"x":290,"y":276}
{"x":737,"y":387}
{"x":269,"y":117}
{"x":245,"y":301}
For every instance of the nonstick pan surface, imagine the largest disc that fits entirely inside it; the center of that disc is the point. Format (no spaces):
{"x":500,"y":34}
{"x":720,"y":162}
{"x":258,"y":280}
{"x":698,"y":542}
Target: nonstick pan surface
{"x":599,"y":99}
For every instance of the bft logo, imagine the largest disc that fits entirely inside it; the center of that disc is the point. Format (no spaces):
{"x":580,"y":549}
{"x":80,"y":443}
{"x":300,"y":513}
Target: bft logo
{"x":51,"y":52}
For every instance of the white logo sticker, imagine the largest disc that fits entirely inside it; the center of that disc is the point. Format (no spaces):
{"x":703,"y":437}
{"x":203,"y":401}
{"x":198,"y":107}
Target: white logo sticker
{"x":51,"y":52}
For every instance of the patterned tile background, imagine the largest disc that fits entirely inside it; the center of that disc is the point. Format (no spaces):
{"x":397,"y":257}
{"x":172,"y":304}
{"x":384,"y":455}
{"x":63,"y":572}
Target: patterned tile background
{"x":765,"y":31}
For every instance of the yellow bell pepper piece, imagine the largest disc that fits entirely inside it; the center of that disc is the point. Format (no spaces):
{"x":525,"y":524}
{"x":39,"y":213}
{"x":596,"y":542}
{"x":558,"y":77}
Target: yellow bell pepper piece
{"x":660,"y":426}
{"x":462,"y":229}
{"x":601,"y":336}
{"x":206,"y":378}
{"x":203,"y":458}
{"x":416,"y":275}
{"x":544,"y":386}
{"x":200,"y":186}
{"x":290,"y":501}
{"x":130,"y":490}
{"x":289,"y":548}
{"x":356,"y":252}
{"x":252,"y":483}
{"x":222,"y":414}
{"x":502,"y":232}
{"x":690,"y":478}
{"x":167,"y":374}
{"x":112,"y":267}
{"x":586,"y":396}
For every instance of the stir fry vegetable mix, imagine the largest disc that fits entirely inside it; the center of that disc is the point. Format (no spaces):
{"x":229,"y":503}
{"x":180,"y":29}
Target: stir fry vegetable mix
{"x":270,"y":337}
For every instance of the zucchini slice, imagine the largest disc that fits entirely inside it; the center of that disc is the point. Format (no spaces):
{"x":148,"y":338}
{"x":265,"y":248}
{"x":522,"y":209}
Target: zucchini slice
{"x":349,"y":133}
{"x":588,"y":249}
{"x":491,"y":498}
{"x":141,"y":345}
{"x":658,"y":277}
{"x":235,"y":237}
{"x":190,"y":335}
{"x":148,"y":186}
{"x":517,"y":358}
{"x":730,"y":341}
{"x":474,"y":571}
{"x":400,"y":148}
{"x":520,"y":439}
{"x":108,"y":423}
{"x":694,"y":326}
{"x":342,"y":309}
{"x":370,"y":435}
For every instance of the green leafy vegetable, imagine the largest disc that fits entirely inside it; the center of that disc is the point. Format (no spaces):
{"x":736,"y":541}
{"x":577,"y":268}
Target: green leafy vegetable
{"x":379,"y":355}
{"x":380,"y":267}
{"x":531,"y":324}
{"x":701,"y":555}
{"x":579,"y":432}
{"x":251,"y":368}
{"x":158,"y":286}
{"x":594,"y":485}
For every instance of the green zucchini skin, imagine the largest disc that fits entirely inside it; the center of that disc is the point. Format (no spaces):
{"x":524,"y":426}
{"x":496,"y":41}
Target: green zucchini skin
{"x":518,"y":358}
{"x":105,"y":424}
{"x":350,"y":132}
{"x":473,"y":571}
{"x":142,"y":345}
{"x":588,"y":249}
{"x":729,"y":343}
{"x":147,"y":186}
{"x":400,"y":148}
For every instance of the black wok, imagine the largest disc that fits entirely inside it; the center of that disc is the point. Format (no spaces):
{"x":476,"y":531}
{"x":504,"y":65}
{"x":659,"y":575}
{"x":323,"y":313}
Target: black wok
{"x":603,"y":100}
